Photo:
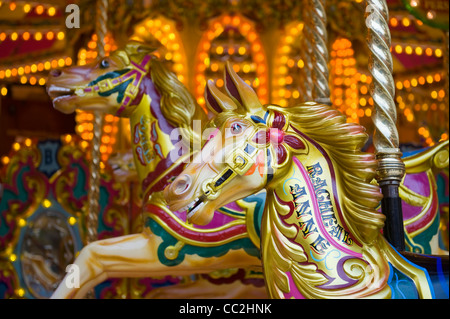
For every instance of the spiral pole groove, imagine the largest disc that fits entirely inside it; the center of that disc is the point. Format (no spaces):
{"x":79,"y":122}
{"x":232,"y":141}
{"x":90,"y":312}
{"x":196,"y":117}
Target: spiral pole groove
{"x":391,"y":168}
{"x":320,"y":51}
{"x":307,"y":56}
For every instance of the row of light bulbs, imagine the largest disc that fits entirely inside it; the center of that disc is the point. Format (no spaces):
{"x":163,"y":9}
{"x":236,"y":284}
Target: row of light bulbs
{"x":26,"y":7}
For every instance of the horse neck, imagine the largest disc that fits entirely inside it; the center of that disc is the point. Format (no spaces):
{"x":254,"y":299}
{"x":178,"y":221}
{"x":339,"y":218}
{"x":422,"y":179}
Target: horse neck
{"x":150,"y":136}
{"x":303,"y":215}
{"x":309,"y":198}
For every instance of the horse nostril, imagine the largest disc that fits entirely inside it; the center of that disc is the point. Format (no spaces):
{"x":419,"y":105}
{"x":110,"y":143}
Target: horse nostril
{"x":181,"y":184}
{"x":55,"y":73}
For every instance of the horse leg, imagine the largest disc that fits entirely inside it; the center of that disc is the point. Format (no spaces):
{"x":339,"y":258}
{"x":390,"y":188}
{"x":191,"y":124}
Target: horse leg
{"x":136,"y":256}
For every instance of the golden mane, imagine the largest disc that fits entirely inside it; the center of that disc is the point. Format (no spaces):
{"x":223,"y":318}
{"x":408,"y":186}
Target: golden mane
{"x":356,"y":169}
{"x":177,"y":104}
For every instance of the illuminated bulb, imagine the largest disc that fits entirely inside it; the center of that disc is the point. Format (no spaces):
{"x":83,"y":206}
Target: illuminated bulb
{"x":39,"y":9}
{"x":51,"y":11}
{"x":46,"y":203}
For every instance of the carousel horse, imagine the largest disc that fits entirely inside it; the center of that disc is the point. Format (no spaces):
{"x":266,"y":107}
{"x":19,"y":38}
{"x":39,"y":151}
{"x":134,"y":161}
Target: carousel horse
{"x":131,"y":83}
{"x":320,"y":231}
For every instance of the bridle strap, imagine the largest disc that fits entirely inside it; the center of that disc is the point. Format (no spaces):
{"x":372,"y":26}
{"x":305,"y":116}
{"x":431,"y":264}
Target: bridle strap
{"x":135,"y":75}
{"x":238,"y":163}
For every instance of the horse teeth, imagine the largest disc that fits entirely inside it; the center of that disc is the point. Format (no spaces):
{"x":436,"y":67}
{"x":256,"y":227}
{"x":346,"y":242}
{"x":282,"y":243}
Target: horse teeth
{"x":191,"y":213}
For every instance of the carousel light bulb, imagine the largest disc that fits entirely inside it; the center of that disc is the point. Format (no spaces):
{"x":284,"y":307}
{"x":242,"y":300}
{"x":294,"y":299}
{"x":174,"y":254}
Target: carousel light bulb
{"x":51,"y":11}
{"x":46,"y":203}
{"x":14,"y":36}
{"x":26,"y":8}
{"x":406,"y":22}
{"x":38,"y":36}
{"x":60,"y":35}
{"x":40,"y":9}
{"x":4,"y":91}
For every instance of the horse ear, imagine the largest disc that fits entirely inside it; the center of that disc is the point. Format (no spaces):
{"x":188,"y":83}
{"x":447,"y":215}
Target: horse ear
{"x":123,"y":56}
{"x":136,"y":47}
{"x":241,"y":93}
{"x":216,"y":101}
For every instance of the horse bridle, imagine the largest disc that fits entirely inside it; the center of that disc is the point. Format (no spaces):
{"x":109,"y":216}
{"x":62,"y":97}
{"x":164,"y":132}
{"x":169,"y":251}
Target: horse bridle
{"x":238,"y":163}
{"x":135,"y":74}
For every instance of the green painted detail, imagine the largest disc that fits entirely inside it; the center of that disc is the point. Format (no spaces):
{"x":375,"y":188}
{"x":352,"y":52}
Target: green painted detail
{"x":79,"y":189}
{"x":231,"y":212}
{"x":205,"y":252}
{"x":8,"y":196}
{"x":438,"y":22}
{"x":421,"y":243}
{"x":260,"y":200}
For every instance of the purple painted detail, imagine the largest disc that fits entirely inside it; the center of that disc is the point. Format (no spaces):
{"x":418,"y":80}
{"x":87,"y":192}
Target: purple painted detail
{"x":419,"y":182}
{"x":317,"y":212}
{"x":333,"y":178}
{"x":231,"y":87}
{"x":293,"y":291}
{"x":341,"y":273}
{"x":219,"y":219}
{"x":88,"y":89}
{"x":212,"y":101}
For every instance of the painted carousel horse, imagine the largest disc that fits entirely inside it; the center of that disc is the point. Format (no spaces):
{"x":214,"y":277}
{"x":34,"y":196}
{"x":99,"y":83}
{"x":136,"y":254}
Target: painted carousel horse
{"x":320,"y":231}
{"x":133,"y":83}
{"x":423,"y":215}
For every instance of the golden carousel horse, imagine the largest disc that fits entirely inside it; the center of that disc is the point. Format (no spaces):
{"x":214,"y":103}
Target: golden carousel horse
{"x":131,"y":83}
{"x":320,"y":232}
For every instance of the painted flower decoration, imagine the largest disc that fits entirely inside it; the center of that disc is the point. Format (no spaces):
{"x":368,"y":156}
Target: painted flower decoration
{"x":277,"y":136}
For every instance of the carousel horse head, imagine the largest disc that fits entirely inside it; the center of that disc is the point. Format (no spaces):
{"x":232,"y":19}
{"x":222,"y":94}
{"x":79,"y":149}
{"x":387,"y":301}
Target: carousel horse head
{"x":251,"y":147}
{"x":110,"y":84}
{"x":228,"y":155}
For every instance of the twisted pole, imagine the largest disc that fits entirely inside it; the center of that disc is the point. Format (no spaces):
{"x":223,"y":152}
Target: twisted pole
{"x":391,"y":168}
{"x":94,"y":182}
{"x":320,"y":51}
{"x":307,"y":56}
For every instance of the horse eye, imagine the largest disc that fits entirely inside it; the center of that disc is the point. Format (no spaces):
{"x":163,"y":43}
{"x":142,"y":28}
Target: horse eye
{"x":104,"y":64}
{"x":236,"y":128}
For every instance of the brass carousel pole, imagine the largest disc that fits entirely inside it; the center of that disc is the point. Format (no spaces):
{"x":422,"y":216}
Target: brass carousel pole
{"x":319,"y":35}
{"x":306,"y":55}
{"x":390,"y":165}
{"x":94,"y":185}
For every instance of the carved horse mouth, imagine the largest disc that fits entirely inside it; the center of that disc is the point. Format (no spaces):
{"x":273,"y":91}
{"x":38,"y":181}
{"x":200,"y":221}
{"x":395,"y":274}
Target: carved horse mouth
{"x":194,"y":206}
{"x":58,"y":93}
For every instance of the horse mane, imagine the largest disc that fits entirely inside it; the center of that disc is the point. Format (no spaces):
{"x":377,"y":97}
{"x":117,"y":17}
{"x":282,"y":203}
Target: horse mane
{"x":177,"y":104}
{"x":343,"y":141}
